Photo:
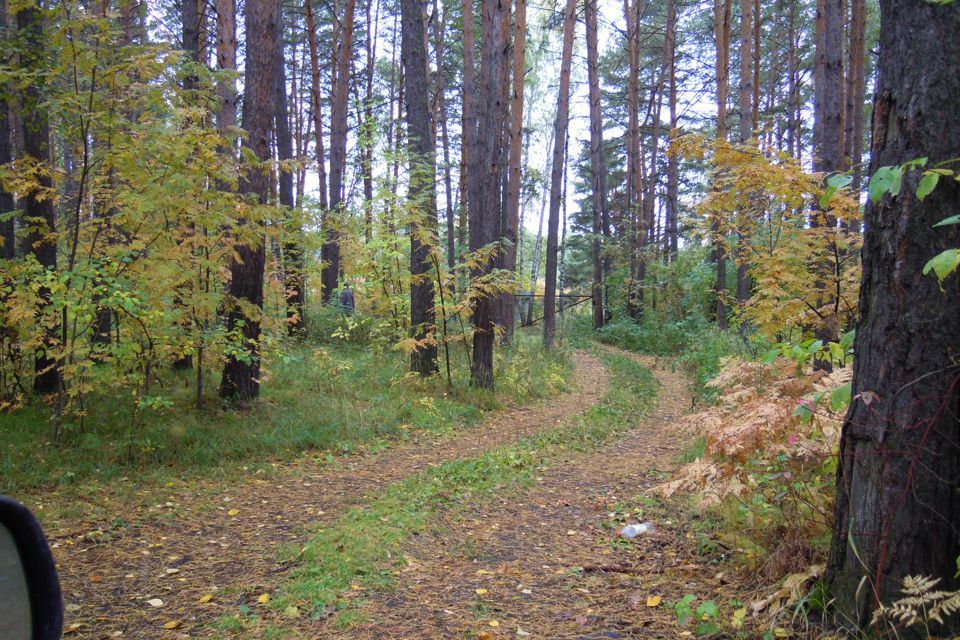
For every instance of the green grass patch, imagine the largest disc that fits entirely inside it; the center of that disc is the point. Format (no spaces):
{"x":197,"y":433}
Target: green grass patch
{"x":365,"y":546}
{"x":331,"y":398}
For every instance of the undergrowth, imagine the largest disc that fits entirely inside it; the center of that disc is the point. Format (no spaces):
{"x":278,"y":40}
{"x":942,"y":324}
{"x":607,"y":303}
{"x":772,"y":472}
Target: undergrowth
{"x":364,"y":548}
{"x":697,"y":344}
{"x":334,"y":397}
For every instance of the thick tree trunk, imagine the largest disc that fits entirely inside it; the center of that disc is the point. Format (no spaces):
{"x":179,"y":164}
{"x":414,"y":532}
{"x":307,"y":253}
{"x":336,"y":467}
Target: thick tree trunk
{"x":468,"y":139}
{"x":330,"y":252}
{"x":560,"y":125}
{"x":241,"y":375}
{"x":828,"y":88}
{"x":598,"y":178}
{"x":898,"y":508}
{"x":422,"y":195}
{"x":510,"y":231}
{"x":39,"y":214}
{"x":226,"y":61}
{"x":484,"y":178}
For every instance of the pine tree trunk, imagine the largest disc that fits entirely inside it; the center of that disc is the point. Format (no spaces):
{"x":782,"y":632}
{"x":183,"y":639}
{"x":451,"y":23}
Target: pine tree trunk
{"x":330,"y":252}
{"x":241,"y":376}
{"x":855,"y":95}
{"x":369,"y":124}
{"x":510,"y":231}
{"x":673,"y":164}
{"x":39,"y":214}
{"x":721,"y":28}
{"x":484,"y":197}
{"x":898,"y":508}
{"x":747,"y":92}
{"x":560,"y":125}
{"x":315,"y":107}
{"x":598,"y":170}
{"x":422,"y":194}
{"x":292,"y":245}
{"x":8,"y":248}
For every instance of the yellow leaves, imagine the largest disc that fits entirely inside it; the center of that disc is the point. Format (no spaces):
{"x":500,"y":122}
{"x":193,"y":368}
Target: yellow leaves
{"x":233,"y":512}
{"x":205,"y":598}
{"x":264,"y":598}
{"x":494,"y":623}
{"x":481,"y":592}
{"x":173,"y":624}
{"x":654,"y":601}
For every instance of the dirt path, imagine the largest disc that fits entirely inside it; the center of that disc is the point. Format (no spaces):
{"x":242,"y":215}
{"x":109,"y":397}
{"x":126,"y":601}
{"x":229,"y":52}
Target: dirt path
{"x":547,"y":563}
{"x":224,"y":540}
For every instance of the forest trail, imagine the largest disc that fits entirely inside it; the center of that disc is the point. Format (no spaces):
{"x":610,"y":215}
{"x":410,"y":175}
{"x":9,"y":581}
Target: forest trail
{"x":547,"y":563}
{"x":208,"y":539}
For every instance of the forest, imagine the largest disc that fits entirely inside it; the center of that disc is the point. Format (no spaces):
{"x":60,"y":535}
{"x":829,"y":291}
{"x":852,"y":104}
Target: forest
{"x":485,"y":318}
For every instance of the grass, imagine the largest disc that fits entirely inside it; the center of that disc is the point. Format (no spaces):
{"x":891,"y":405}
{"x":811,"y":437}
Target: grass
{"x":363,"y":549}
{"x":697,"y":344}
{"x":331,"y":399}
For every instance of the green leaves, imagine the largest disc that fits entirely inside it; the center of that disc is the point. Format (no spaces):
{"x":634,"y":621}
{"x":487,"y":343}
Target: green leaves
{"x":885,"y":180}
{"x":943,"y":264}
{"x":834,"y":183}
{"x":927,"y":184}
{"x":840,"y":398}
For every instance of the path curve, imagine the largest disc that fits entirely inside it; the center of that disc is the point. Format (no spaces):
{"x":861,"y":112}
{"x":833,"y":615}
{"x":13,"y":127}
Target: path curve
{"x":186,"y":547}
{"x":547,"y":563}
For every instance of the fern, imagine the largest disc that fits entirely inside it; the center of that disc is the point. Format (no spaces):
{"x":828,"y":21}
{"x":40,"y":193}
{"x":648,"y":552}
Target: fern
{"x":921,"y":604}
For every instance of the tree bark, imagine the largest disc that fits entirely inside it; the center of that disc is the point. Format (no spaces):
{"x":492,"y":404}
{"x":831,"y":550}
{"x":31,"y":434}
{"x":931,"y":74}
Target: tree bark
{"x":898,"y":509}
{"x":330,"y":252}
{"x":747,"y":106}
{"x":510,"y":232}
{"x":560,"y":125}
{"x":671,"y":247}
{"x":721,"y":29}
{"x":484,"y":188}
{"x":8,"y":248}
{"x":422,"y":194}
{"x":292,"y":245}
{"x":241,"y":375}
{"x":598,"y":170}
{"x":855,"y":95}
{"x":315,"y":106}
{"x":39,"y":214}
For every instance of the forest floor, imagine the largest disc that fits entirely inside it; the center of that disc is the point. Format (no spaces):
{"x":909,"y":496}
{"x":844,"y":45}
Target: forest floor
{"x":540,"y":559}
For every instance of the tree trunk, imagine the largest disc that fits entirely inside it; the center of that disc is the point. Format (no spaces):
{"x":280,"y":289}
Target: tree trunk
{"x":241,"y":375}
{"x":828,"y":88}
{"x":634,"y":187}
{"x":369,"y":124}
{"x":484,"y":188}
{"x":598,"y":178}
{"x":721,"y":28}
{"x":898,"y":509}
{"x":293,"y":245}
{"x":330,"y":252}
{"x":560,"y":125}
{"x":315,"y":107}
{"x":855,"y":95}
{"x":422,"y":194}
{"x":8,"y":248}
{"x":38,"y":211}
{"x":510,"y":232}
{"x":673,"y":163}
{"x":747,"y":92}
{"x":468,"y":133}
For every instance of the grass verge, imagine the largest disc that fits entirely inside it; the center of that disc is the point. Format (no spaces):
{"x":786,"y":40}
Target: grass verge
{"x":364,"y":548}
{"x":332,"y":399}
